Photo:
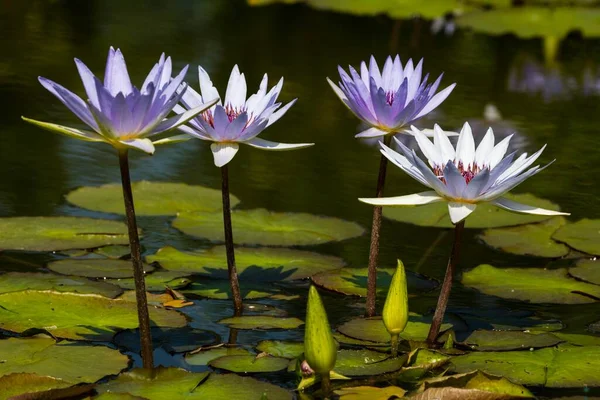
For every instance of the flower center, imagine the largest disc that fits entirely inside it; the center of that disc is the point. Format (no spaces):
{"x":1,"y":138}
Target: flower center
{"x":389,"y":98}
{"x":467,"y":173}
{"x":231,"y":112}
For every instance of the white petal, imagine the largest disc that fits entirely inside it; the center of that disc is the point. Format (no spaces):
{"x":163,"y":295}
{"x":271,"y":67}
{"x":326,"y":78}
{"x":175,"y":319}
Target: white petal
{"x":174,"y":139}
{"x":180,"y":119}
{"x":268,"y":145}
{"x":337,"y":91}
{"x":440,"y":139}
{"x":431,"y":152}
{"x":431,"y":132}
{"x":465,"y":148}
{"x":207,"y":89}
{"x":510,"y":205}
{"x":520,"y":165}
{"x":144,"y":145}
{"x":371,"y":133}
{"x":415,"y":199}
{"x":236,"y":89}
{"x":497,"y":154}
{"x":460,"y":211}
{"x":223,"y":152}
{"x":279,"y":113}
{"x":485,"y":148}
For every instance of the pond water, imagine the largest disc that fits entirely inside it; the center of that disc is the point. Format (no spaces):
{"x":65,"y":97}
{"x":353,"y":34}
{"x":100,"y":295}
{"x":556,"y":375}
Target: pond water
{"x":305,"y":46}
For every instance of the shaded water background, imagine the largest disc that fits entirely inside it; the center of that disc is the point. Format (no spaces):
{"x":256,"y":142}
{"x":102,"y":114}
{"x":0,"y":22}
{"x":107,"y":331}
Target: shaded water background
{"x":303,"y":45}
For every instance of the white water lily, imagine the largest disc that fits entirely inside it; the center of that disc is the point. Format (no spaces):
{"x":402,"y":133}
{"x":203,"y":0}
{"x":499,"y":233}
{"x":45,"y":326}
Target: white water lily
{"x":465,"y":176}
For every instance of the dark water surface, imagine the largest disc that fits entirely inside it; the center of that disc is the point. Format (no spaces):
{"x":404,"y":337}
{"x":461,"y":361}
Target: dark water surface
{"x":305,"y":46}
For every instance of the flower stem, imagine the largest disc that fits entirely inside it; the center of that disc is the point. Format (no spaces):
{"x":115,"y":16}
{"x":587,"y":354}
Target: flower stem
{"x":233,"y":277}
{"x":438,"y":316}
{"x":394,"y":344}
{"x":325,"y":384}
{"x":375,"y":229}
{"x":138,"y":268}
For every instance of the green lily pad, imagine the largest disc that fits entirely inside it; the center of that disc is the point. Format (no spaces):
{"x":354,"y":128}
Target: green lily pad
{"x":370,"y":393}
{"x":366,"y":362}
{"x":510,"y":340}
{"x":261,"y":322}
{"x":178,"y":340}
{"x":220,"y":289}
{"x":256,"y":264}
{"x":564,"y":366}
{"x":531,"y":239}
{"x":353,"y":281}
{"x":69,"y":361}
{"x":474,"y":385}
{"x":373,"y":330}
{"x":250,"y":364}
{"x":587,"y":270}
{"x":583,"y":235}
{"x":17,"y":281}
{"x":578,"y":339}
{"x":420,"y":362}
{"x":75,"y":316}
{"x":95,"y":268}
{"x":156,"y":281}
{"x":484,"y":216}
{"x":204,"y":357}
{"x":535,"y":285}
{"x":279,"y":348}
{"x":20,"y":383}
{"x":268,"y":228}
{"x":232,"y":386}
{"x":59,"y":233}
{"x":151,"y":198}
{"x":115,"y":252}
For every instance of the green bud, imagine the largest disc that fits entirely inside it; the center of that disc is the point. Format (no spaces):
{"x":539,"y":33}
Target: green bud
{"x":395,"y":310}
{"x":320,"y":348}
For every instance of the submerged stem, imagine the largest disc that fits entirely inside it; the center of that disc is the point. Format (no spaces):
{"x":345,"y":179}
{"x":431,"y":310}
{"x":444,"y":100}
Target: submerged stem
{"x":375,"y":229}
{"x":233,"y":277}
{"x":394,"y":344}
{"x":136,"y":260}
{"x":440,"y":309}
{"x":325,"y":384}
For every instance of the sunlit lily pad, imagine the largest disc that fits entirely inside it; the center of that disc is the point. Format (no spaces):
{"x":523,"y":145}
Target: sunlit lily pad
{"x":69,"y":361}
{"x":203,"y":357}
{"x":253,"y":264}
{"x":261,"y":322}
{"x":95,"y":268}
{"x":366,"y":362}
{"x":113,"y":251}
{"x":536,"y":285}
{"x":263,"y":227}
{"x":250,"y":363}
{"x":370,"y":393}
{"x":17,"y":281}
{"x":75,"y":316}
{"x":563,"y":366}
{"x":154,"y":299}
{"x":232,"y":386}
{"x":578,"y":339}
{"x":420,"y":361}
{"x":373,"y":330}
{"x":583,"y":235}
{"x":531,"y":239}
{"x":353,"y":281}
{"x":509,"y":340}
{"x":59,"y":233}
{"x":278,"y":348}
{"x":156,"y":281}
{"x":587,"y":270}
{"x":221,"y":289}
{"x":151,"y":198}
{"x":173,"y":340}
{"x":20,"y":383}
{"x":484,"y":216}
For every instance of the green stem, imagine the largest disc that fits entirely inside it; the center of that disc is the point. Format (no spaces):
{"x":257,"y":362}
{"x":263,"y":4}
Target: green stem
{"x":325,"y":384}
{"x":138,"y":268}
{"x":394,"y":344}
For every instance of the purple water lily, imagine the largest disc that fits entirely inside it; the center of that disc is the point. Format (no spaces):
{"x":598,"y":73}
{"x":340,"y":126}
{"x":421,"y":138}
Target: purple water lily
{"x":391,"y":99}
{"x":116,"y":111}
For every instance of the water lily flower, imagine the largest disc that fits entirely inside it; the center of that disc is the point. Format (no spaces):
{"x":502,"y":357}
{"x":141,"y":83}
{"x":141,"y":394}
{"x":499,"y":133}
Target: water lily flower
{"x":116,"y":111}
{"x":388,"y":100}
{"x":465,"y":176}
{"x":237,"y":119}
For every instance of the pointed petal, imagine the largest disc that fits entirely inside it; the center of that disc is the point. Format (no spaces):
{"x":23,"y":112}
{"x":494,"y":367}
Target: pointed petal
{"x":89,"y":82}
{"x":523,"y":208}
{"x":279,"y":113}
{"x":460,"y":211}
{"x":371,"y":133}
{"x":498,"y":152}
{"x":87,"y":136}
{"x":465,"y":148}
{"x":455,"y":182}
{"x":223,"y":152}
{"x":485,"y":148}
{"x":436,"y":101}
{"x":431,"y":152}
{"x":207,"y":89}
{"x":144,"y":145}
{"x":180,"y":119}
{"x":443,"y":143}
{"x":116,"y":78}
{"x":71,"y":100}
{"x":174,"y":139}
{"x":268,"y":145}
{"x":415,"y":199}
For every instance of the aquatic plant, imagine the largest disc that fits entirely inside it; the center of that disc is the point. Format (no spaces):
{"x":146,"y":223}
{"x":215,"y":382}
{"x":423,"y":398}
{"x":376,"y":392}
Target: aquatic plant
{"x":395,"y":309}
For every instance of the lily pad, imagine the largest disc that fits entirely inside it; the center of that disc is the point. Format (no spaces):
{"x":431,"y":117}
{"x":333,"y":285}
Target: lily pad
{"x":151,"y":198}
{"x":221,"y":290}
{"x":353,"y":281}
{"x":268,"y":228}
{"x":115,"y":252}
{"x":232,"y":386}
{"x":587,"y":270}
{"x":279,"y":348}
{"x":69,"y":361}
{"x":156,"y":281}
{"x":578,"y":339}
{"x":260,"y":322}
{"x":203,"y":357}
{"x":484,"y":216}
{"x":59,"y":233}
{"x":535,"y":285}
{"x":373,"y":330}
{"x":176,"y":340}
{"x":531,"y":239}
{"x":20,"y":383}
{"x":95,"y":268}
{"x":253,"y":264}
{"x":76,"y":316}
{"x":250,"y":363}
{"x":17,"y":281}
{"x":366,"y":362}
{"x":583,"y":235}
{"x":510,"y":340}
{"x":370,"y":393}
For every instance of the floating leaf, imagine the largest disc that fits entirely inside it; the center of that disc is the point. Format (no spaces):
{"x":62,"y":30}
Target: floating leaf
{"x":221,"y":289}
{"x":231,"y":386}
{"x":509,"y":340}
{"x":579,"y":340}
{"x":531,"y":239}
{"x":370,"y":393}
{"x":372,"y":329}
{"x":260,"y":322}
{"x":250,"y":363}
{"x":95,"y":268}
{"x":20,"y":383}
{"x":153,"y":298}
{"x":536,"y":285}
{"x":178,"y":340}
{"x":366,"y":362}
{"x":59,"y":233}
{"x":203,"y":357}
{"x":156,"y":281}
{"x":113,"y":251}
{"x":491,"y":387}
{"x":279,"y":348}
{"x":353,"y":281}
{"x":17,"y":281}
{"x":587,"y":270}
{"x":151,"y":198}
{"x":69,"y":361}
{"x":421,"y":361}
{"x":485,"y":215}
{"x":263,"y":227}
{"x":75,"y":316}
{"x":583,"y":235}
{"x":253,"y":264}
